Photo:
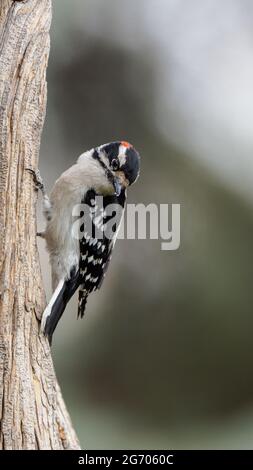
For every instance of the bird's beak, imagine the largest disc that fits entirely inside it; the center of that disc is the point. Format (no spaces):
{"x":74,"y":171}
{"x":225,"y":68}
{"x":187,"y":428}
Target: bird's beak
{"x":120,"y":182}
{"x":117,"y":186}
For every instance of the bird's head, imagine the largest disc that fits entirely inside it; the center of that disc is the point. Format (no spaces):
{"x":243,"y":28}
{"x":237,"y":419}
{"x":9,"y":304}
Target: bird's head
{"x":120,"y":162}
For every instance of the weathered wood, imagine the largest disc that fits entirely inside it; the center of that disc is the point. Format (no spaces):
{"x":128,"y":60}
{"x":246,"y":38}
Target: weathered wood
{"x":32,"y":411}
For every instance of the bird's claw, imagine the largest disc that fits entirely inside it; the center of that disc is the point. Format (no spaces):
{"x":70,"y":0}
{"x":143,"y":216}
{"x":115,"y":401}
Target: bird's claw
{"x":38,"y":181}
{"x":40,"y":234}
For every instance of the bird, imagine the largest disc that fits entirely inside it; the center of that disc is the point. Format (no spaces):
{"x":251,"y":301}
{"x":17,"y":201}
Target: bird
{"x":80,"y":258}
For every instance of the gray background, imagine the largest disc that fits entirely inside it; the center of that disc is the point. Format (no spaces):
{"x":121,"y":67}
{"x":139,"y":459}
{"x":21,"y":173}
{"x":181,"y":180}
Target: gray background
{"x":164,"y":355}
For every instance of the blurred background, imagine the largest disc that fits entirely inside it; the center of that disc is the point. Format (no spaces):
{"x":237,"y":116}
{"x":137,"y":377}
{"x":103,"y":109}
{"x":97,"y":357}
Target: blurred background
{"x":164,"y":355}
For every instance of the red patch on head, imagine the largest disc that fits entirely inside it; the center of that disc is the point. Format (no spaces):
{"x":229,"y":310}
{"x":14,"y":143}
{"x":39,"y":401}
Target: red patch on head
{"x":125,"y":144}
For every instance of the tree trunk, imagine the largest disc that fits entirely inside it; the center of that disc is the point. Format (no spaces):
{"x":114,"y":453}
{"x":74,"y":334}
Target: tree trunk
{"x":32,"y":411}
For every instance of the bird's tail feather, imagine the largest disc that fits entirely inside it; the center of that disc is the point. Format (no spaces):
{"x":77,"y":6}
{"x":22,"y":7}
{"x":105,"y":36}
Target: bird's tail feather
{"x":83,"y":294}
{"x":57,"y":304}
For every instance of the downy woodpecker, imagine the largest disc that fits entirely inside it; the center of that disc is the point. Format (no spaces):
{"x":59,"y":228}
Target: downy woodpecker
{"x":104,"y":172}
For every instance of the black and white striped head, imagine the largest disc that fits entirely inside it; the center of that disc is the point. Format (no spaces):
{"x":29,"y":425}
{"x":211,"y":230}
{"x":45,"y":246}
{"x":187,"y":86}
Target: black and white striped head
{"x":121,"y":163}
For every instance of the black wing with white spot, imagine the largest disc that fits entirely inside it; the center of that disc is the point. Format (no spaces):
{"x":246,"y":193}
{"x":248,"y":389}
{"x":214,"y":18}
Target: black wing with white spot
{"x":95,"y":252}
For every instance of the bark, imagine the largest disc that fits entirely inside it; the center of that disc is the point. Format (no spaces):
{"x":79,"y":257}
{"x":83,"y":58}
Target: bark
{"x":32,"y":412}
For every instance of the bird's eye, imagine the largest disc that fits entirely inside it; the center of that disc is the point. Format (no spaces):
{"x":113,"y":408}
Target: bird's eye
{"x":115,"y":164}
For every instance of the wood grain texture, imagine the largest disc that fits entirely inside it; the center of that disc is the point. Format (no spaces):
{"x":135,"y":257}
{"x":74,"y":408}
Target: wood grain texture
{"x":32,"y":412}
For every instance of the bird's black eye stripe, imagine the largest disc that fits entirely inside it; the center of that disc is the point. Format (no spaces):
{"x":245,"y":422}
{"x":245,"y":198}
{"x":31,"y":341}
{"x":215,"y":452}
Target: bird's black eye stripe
{"x":115,"y":164}
{"x":108,"y":173}
{"x":112,"y":150}
{"x":95,"y":155}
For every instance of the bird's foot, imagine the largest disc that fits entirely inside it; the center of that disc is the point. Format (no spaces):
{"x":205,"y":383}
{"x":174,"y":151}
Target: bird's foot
{"x":40,"y":234}
{"x":38,"y":181}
